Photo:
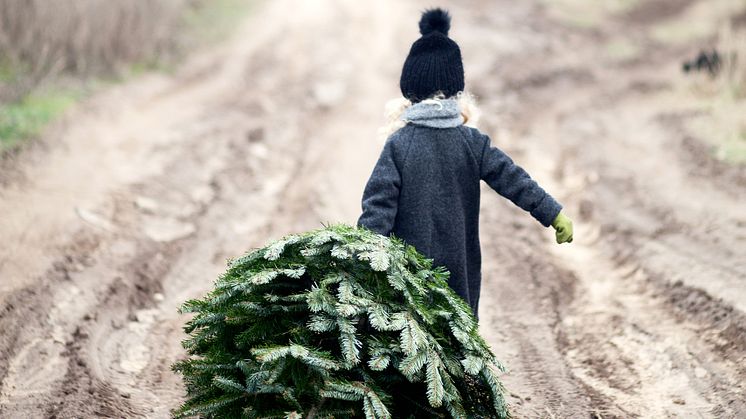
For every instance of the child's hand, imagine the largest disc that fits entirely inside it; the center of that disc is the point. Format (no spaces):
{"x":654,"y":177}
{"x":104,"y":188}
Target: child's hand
{"x":563,"y":227}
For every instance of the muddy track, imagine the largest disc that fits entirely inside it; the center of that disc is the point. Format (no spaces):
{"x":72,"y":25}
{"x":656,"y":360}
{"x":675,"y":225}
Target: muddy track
{"x":635,"y":317}
{"x":158,"y":181}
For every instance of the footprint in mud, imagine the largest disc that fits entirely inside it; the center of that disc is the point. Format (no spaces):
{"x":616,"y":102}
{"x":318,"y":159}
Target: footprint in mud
{"x":135,"y":355}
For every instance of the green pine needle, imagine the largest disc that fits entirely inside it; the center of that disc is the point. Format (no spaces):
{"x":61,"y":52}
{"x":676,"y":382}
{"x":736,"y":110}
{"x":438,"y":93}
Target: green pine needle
{"x":336,"y":322}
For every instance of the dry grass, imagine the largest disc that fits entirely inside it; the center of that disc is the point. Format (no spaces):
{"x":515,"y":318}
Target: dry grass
{"x":40,"y":39}
{"x":724,"y":98}
{"x":698,"y":21}
{"x":730,"y":107}
{"x":588,"y":13}
{"x":732,"y":75}
{"x":49,"y":49}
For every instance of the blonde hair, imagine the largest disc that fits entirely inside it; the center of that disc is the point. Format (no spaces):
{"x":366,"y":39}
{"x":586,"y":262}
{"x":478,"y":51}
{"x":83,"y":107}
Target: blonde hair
{"x":394,"y":109}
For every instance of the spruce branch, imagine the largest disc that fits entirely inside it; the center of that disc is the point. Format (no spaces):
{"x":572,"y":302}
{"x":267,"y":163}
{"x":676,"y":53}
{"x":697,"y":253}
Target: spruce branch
{"x":336,"y":322}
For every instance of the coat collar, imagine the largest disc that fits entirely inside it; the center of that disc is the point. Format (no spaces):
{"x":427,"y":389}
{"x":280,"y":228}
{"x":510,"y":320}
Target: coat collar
{"x":434,"y":113}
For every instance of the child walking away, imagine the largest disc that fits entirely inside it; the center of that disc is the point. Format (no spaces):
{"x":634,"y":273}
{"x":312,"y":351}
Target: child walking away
{"x":425,"y":187}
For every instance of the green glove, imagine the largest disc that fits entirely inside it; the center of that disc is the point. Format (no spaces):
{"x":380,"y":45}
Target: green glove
{"x":563,"y":225}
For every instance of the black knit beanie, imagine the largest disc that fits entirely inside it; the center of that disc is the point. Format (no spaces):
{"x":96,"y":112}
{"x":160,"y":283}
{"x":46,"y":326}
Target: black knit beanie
{"x":434,"y":61}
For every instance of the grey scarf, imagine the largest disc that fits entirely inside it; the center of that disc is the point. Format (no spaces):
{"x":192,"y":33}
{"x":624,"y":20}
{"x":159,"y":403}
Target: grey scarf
{"x":434,"y":113}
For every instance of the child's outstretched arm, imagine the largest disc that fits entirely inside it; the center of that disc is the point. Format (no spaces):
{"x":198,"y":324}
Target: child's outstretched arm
{"x":381,"y":196}
{"x":513,"y":182}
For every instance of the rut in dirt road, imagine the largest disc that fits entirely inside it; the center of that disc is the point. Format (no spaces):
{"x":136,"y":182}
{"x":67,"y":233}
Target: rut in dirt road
{"x":158,"y":181}
{"x":645,"y":308}
{"x":238,"y":164}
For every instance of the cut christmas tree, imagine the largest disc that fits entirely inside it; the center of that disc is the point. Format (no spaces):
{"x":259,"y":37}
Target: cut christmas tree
{"x":335,"y":323}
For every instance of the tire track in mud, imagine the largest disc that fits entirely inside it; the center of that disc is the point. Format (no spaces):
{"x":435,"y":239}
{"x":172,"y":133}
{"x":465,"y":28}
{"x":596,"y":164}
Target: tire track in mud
{"x":523,"y":304}
{"x":256,"y":176}
{"x":117,"y":292}
{"x":629,"y":328}
{"x":134,"y":275}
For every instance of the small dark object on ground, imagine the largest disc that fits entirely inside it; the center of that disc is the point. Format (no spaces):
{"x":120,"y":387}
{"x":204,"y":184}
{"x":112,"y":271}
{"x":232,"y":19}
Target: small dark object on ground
{"x":705,"y":61}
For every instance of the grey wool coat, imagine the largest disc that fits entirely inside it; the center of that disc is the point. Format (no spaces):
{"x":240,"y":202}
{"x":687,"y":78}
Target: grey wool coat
{"x":425,"y":189}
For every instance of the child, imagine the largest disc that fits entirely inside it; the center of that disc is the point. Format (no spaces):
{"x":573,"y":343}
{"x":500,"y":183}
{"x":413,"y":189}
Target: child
{"x":425,"y":187}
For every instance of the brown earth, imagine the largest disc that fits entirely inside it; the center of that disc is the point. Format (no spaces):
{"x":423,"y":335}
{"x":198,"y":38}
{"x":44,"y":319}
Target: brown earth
{"x":133,"y":203}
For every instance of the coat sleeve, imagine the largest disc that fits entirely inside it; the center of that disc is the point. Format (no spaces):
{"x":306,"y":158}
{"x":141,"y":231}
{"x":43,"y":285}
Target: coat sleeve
{"x":511,"y":181}
{"x":381,"y":196}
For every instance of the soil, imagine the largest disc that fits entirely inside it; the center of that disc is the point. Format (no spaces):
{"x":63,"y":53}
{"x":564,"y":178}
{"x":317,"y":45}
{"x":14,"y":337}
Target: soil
{"x":133,"y":203}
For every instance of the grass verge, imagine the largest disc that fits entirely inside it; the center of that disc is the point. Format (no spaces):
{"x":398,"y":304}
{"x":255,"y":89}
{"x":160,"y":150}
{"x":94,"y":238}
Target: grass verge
{"x":724,"y":98}
{"x":204,"y":23}
{"x":695,"y":23}
{"x":587,"y":13}
{"x":216,"y":19}
{"x":27,"y":117}
{"x":723,"y":127}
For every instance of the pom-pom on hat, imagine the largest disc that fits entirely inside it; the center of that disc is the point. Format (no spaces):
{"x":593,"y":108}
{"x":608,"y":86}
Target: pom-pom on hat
{"x":434,"y":61}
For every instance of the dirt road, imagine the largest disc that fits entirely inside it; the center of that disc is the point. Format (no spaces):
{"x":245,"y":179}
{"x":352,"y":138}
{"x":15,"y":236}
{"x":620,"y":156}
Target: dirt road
{"x":139,"y":196}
